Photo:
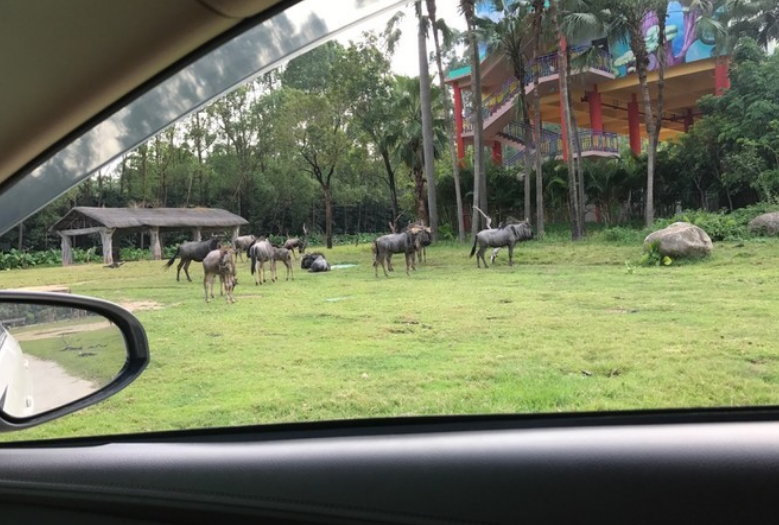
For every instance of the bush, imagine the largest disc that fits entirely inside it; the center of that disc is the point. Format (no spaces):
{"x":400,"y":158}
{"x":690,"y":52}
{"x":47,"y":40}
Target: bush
{"x":721,"y":226}
{"x":621,"y":235}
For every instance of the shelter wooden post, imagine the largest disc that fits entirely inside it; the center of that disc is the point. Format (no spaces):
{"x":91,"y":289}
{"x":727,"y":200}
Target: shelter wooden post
{"x":197,"y":235}
{"x":106,"y":236}
{"x":236,"y":231}
{"x":156,"y":245}
{"x":67,"y":251}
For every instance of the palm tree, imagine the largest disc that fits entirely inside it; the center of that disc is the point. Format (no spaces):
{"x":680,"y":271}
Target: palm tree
{"x":758,"y":19}
{"x":468,"y":8}
{"x":538,"y":25}
{"x":439,"y":25}
{"x":509,"y":36}
{"x":573,"y":187}
{"x":427,"y":118}
{"x":406,"y":133}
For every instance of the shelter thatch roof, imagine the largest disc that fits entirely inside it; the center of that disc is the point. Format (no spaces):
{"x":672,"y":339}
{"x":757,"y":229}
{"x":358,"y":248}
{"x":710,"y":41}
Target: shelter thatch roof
{"x":82,"y":217}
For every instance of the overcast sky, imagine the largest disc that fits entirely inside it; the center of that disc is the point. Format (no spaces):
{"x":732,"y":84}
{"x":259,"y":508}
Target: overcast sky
{"x":405,"y":61}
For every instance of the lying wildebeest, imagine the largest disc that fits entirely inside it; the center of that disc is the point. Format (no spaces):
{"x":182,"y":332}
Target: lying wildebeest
{"x":308,"y":259}
{"x":283,"y":255}
{"x":506,"y":235}
{"x":220,"y":262}
{"x":242,"y":243}
{"x":386,"y":245}
{"x":261,"y":251}
{"x":192,"y":251}
{"x":319,"y":264}
{"x":295,"y":242}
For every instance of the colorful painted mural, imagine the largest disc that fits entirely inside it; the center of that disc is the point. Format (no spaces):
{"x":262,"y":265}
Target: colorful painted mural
{"x":686,"y":42}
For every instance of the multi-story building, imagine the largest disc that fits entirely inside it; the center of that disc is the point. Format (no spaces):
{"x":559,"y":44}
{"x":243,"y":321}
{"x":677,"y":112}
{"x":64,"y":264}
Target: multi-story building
{"x":606,"y":95}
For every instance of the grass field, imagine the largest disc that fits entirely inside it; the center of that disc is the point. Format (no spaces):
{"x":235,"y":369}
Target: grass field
{"x":568,"y":328}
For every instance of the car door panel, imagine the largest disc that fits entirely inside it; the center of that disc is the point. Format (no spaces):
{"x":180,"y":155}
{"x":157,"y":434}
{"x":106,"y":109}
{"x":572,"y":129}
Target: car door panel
{"x":436,"y":473}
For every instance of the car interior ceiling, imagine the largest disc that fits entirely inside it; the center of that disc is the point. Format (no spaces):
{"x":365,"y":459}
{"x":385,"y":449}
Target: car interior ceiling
{"x":67,"y":69}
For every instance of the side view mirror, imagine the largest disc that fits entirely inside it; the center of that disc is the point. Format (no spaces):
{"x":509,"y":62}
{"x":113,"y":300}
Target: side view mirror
{"x":60,"y":353}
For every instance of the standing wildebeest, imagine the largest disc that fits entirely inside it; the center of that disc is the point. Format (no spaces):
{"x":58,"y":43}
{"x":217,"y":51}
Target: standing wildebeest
{"x":308,"y":259}
{"x":298,"y":243}
{"x":220,"y":262}
{"x":319,"y":264}
{"x":507,"y":235}
{"x":424,"y":239}
{"x":192,"y":251}
{"x":386,"y":245}
{"x":262,"y":252}
{"x":283,"y":255}
{"x":243,"y":243}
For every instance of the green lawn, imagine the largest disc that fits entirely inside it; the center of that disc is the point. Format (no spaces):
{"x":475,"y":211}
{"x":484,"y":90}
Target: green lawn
{"x":569,"y":327}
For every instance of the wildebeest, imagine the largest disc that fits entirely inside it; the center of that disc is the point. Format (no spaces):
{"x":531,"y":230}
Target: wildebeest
{"x":283,"y":255}
{"x":243,"y":243}
{"x":507,"y":235}
{"x":261,"y":251}
{"x":220,"y":262}
{"x":386,"y":245}
{"x":423,"y":239}
{"x":192,"y":251}
{"x":308,"y":259}
{"x":297,"y":243}
{"x":319,"y":264}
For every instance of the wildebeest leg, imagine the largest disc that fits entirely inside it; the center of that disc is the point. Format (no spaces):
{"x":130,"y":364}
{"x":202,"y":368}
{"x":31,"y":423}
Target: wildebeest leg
{"x":186,"y":269}
{"x":511,"y":253}
{"x":288,"y":264}
{"x":381,"y":258}
{"x":480,"y":255}
{"x":389,"y":262}
{"x":178,"y":270}
{"x":273,"y":271}
{"x":205,"y":286}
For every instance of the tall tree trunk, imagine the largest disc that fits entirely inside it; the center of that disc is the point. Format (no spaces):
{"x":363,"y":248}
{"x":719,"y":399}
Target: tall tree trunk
{"x":427,"y":122}
{"x":577,"y":143}
{"x":328,"y":198}
{"x":21,"y":235}
{"x":419,"y":193}
{"x":519,"y":73}
{"x":539,"y":6}
{"x":431,"y":10}
{"x":573,"y":194}
{"x":642,"y":60}
{"x":479,"y":175}
{"x":392,"y":185}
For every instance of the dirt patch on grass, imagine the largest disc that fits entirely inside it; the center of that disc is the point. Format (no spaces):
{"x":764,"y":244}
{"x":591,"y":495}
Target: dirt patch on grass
{"x":140,"y":306}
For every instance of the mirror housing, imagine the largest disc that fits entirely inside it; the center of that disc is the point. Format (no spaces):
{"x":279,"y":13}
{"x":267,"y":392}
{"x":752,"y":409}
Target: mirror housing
{"x":135,"y":341}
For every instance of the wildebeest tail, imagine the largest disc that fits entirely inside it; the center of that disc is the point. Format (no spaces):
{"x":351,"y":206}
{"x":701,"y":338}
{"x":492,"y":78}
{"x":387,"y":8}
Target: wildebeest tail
{"x":172,"y":259}
{"x":253,"y":256}
{"x":473,"y":250}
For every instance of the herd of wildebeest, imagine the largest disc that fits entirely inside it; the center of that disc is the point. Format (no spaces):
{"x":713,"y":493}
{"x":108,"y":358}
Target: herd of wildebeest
{"x":221,"y":260}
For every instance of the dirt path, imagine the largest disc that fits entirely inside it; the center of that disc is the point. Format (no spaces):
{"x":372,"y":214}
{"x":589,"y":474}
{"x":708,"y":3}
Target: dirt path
{"x":48,"y":333}
{"x":53,"y":387}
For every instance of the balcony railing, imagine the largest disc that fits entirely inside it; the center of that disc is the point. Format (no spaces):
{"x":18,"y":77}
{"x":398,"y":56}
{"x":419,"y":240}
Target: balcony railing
{"x":552,"y":145}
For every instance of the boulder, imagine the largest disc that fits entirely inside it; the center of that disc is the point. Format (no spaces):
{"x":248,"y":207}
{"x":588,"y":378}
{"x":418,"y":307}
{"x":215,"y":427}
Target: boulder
{"x":681,"y":239}
{"x":767,"y":224}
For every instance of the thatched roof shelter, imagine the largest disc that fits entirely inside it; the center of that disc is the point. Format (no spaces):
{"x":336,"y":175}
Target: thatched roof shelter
{"x":83,"y":220}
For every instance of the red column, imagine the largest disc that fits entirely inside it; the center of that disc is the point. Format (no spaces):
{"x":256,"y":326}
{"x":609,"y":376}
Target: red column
{"x":458,"y":122}
{"x":563,"y":124}
{"x":634,"y":126}
{"x":596,"y":109}
{"x":721,"y":78}
{"x":497,"y":153}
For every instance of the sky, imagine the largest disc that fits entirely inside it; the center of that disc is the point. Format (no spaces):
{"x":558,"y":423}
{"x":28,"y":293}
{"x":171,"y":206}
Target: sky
{"x":406,"y":61}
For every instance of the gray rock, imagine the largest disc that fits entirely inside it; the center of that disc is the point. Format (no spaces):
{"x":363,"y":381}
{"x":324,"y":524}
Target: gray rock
{"x":681,"y":239}
{"x":767,"y":224}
